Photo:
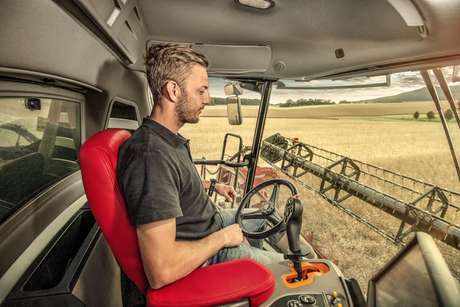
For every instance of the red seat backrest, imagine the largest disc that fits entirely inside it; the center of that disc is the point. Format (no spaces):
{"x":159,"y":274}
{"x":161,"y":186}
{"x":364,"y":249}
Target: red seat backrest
{"x":98,"y":161}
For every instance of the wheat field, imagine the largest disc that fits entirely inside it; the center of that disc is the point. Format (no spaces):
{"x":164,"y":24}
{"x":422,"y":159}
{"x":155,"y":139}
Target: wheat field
{"x":414,"y":148}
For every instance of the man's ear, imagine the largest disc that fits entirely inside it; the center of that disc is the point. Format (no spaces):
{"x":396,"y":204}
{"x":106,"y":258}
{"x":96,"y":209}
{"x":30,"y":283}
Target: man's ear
{"x":172,"y":91}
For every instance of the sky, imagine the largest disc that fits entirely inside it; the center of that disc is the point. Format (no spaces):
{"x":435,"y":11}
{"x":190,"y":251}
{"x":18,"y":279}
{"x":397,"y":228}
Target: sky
{"x":400,"y":82}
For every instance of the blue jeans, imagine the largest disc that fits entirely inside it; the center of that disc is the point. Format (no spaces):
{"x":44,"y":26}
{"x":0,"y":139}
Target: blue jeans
{"x":244,"y":250}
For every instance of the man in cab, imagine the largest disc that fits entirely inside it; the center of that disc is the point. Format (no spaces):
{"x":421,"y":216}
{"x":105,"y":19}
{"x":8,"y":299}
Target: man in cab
{"x":178,"y":226}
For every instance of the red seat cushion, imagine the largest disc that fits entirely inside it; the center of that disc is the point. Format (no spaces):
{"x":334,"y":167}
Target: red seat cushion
{"x":217,"y":284}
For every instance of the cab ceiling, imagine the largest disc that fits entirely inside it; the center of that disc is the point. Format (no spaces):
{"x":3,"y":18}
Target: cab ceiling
{"x":304,"y":34}
{"x":294,"y":39}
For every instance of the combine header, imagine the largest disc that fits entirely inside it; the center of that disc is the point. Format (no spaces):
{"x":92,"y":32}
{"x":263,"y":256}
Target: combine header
{"x":352,"y":186}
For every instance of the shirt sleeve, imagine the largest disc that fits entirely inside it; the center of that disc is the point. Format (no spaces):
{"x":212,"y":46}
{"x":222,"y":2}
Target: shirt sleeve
{"x":150,"y":184}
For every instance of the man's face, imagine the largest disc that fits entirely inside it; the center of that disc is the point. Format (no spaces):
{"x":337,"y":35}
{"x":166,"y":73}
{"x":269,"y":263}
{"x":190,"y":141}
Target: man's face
{"x":194,"y":97}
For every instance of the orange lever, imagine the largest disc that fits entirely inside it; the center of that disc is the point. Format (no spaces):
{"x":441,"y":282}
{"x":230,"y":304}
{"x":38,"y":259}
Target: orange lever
{"x":309,"y":271}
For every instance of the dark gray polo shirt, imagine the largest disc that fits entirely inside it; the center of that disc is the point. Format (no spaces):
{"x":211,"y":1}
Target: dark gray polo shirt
{"x":159,"y":181}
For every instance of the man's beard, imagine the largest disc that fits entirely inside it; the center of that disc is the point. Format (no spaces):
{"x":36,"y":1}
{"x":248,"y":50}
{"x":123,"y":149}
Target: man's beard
{"x":184,"y":113}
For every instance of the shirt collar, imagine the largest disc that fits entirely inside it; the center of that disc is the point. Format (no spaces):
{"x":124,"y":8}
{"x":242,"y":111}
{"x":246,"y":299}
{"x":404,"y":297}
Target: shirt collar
{"x":165,"y":133}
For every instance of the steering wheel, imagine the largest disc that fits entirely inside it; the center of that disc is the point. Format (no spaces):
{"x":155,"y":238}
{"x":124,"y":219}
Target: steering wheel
{"x":266,"y":211}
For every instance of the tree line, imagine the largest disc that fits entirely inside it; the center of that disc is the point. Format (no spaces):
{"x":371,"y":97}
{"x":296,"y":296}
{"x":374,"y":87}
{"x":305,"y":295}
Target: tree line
{"x":305,"y":102}
{"x":287,"y":104}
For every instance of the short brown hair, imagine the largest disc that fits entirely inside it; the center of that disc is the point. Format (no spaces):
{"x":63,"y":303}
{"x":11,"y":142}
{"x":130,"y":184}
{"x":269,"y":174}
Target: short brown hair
{"x":170,"y":62}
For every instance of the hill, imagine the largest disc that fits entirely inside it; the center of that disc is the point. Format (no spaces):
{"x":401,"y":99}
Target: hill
{"x":420,"y":94}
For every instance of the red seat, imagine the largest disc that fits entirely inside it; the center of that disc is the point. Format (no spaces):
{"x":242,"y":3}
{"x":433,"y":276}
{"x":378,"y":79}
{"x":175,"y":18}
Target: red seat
{"x":216,"y":284}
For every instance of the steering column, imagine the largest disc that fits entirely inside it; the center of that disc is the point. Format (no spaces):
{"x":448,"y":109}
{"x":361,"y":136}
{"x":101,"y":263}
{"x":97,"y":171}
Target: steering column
{"x":291,"y":221}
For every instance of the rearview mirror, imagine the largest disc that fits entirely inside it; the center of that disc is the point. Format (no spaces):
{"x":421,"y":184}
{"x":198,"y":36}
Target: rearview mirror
{"x":234,"y":90}
{"x":234,"y":110}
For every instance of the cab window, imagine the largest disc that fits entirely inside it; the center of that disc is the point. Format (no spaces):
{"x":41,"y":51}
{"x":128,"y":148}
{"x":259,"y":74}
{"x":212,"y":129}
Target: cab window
{"x":39,"y":142}
{"x":386,"y":139}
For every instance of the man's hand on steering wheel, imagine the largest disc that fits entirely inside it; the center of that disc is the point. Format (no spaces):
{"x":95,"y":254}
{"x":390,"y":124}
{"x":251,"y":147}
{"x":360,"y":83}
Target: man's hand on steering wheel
{"x":226,"y":191}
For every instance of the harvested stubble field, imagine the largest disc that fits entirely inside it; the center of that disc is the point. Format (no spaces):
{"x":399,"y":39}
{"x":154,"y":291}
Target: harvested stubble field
{"x":414,"y":148}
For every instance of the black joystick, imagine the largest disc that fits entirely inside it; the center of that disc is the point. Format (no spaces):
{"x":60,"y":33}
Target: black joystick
{"x":293,"y":220}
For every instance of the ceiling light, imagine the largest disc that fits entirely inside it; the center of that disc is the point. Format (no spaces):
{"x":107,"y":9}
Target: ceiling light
{"x":258,"y":4}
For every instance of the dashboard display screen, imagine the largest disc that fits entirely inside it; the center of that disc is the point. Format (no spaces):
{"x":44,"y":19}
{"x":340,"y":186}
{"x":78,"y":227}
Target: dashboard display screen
{"x":406,"y":283}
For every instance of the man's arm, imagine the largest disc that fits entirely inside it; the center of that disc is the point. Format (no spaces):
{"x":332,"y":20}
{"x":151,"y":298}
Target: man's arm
{"x":166,"y":260}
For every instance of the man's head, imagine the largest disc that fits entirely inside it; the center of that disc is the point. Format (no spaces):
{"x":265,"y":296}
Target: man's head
{"x":178,"y":74}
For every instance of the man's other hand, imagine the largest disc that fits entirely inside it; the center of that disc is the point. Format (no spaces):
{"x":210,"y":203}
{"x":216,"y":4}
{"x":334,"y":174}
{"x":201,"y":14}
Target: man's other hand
{"x":226,"y":191}
{"x":233,"y":236}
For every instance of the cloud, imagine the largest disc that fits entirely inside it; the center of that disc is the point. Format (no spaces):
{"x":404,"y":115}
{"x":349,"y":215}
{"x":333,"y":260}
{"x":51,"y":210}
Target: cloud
{"x":402,"y":79}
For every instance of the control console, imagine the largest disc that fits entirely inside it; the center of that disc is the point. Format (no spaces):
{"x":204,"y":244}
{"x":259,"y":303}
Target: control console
{"x":309,"y":300}
{"x":315,"y":283}
{"x":322,"y":285}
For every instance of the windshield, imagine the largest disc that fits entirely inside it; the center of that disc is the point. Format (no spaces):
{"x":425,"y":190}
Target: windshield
{"x":369,"y":163}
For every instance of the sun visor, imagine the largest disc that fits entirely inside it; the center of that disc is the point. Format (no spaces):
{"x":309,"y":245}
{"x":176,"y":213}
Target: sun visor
{"x":235,"y":59}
